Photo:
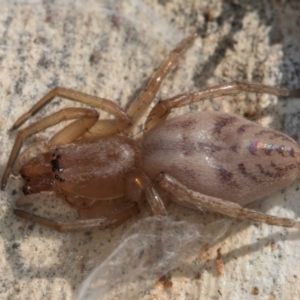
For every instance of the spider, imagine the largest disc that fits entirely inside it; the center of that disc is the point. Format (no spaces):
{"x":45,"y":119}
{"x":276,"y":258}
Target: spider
{"x":210,"y":160}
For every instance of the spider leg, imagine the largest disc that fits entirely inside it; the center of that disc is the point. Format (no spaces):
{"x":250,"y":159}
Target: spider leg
{"x":112,"y":220}
{"x":139,"y":106}
{"x":227,"y":208}
{"x":136,"y":182}
{"x":163,"y":108}
{"x":86,"y":119}
{"x":101,"y":103}
{"x":31,"y":151}
{"x":106,"y":127}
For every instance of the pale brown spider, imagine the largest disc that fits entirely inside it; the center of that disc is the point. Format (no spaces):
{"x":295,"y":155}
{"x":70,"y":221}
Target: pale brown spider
{"x":213,"y":160}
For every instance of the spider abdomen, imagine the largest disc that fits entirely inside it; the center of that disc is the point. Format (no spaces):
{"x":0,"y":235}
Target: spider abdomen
{"x":221,"y":155}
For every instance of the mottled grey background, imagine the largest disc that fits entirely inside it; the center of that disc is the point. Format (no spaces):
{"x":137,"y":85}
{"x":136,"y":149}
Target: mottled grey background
{"x":110,"y":49}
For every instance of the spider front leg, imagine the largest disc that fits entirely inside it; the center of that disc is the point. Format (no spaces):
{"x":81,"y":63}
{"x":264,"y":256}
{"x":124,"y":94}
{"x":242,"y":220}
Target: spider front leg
{"x":109,"y":217}
{"x":163,"y":108}
{"x":231,"y":209}
{"x":93,"y":101}
{"x":86,"y":119}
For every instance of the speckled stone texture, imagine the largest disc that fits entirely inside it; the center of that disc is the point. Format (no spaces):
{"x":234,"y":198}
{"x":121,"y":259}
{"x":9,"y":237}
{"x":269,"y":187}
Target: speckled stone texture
{"x":110,"y":49}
